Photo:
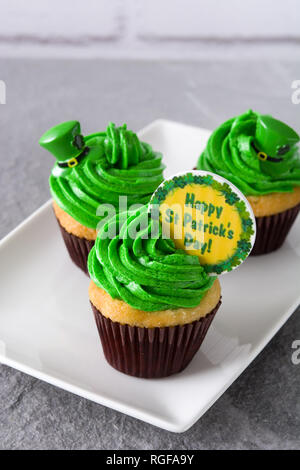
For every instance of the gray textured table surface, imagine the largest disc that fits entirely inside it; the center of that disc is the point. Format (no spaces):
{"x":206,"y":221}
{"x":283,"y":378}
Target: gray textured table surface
{"x":261,"y":409}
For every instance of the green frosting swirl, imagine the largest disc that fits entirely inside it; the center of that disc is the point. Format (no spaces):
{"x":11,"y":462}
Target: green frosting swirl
{"x":231,"y":152}
{"x":148,"y":273}
{"x":117,"y":164}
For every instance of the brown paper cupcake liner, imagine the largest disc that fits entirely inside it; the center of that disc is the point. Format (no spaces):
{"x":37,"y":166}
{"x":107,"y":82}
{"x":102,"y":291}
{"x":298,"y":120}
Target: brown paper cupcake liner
{"x":272,"y":230}
{"x":77,"y":247}
{"x":151,"y":352}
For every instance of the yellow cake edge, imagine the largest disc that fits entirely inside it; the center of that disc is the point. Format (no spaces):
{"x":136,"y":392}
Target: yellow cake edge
{"x":71,"y":225}
{"x":274,"y":203}
{"x":119,"y":311}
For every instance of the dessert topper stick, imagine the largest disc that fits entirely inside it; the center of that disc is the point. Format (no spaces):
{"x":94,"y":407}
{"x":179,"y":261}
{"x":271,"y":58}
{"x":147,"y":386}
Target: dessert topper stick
{"x":207,"y":216}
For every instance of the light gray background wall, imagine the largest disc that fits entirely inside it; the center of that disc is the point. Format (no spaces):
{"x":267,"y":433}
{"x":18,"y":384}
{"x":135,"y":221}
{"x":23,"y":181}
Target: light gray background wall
{"x":150,"y":28}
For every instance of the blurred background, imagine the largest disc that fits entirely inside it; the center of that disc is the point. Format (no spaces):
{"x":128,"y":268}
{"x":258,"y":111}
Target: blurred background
{"x":181,"y":29}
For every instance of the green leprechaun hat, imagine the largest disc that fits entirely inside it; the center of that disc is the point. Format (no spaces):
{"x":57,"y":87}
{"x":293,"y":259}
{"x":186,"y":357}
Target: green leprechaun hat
{"x":273,"y":138}
{"x":65,"y":142}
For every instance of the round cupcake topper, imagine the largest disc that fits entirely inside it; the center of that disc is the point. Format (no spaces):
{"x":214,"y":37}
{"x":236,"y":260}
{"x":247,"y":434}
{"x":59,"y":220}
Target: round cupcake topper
{"x":207,"y":216}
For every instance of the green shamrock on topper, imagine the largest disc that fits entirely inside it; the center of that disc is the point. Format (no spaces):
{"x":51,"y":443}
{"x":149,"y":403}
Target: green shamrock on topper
{"x":275,"y":144}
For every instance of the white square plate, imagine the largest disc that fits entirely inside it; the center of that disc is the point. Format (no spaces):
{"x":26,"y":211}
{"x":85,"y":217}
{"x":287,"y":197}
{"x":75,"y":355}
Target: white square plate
{"x":47,"y":327}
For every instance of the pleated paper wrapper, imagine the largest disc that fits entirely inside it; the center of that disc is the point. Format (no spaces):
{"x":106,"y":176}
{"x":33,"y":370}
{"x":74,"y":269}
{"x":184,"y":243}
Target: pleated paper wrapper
{"x":151,"y":352}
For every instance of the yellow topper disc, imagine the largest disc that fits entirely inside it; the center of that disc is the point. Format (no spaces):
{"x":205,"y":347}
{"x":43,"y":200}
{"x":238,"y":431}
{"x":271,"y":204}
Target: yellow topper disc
{"x":207,"y":216}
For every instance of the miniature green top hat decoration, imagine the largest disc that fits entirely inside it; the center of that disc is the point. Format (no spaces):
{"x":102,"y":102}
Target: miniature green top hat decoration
{"x":274,"y":138}
{"x":65,"y":142}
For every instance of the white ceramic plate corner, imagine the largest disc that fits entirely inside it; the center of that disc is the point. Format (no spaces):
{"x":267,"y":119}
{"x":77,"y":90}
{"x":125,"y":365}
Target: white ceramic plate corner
{"x":47,"y":330}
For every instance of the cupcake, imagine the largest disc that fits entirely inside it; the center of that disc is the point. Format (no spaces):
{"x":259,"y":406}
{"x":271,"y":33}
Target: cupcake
{"x":89,"y":176}
{"x":260,"y":155}
{"x":152,"y":303}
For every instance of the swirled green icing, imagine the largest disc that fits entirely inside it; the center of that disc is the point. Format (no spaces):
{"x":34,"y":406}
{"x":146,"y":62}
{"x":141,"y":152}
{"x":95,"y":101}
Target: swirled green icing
{"x":148,"y":273}
{"x":232,"y":152}
{"x":117,"y":164}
